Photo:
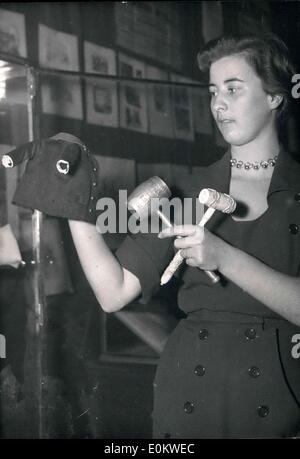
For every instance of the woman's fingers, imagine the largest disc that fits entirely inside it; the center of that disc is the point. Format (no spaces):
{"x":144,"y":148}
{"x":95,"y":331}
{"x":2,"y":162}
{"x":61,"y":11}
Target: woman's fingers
{"x":183,"y":231}
{"x":191,"y":262}
{"x":189,"y":241}
{"x":189,"y":254}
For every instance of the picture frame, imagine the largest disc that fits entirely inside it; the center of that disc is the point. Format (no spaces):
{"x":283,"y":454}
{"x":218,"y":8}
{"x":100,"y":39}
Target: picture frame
{"x":182,"y":109}
{"x":133,"y":97}
{"x":13,"y":33}
{"x":57,"y":50}
{"x":159,"y":104}
{"x":61,"y":95}
{"x":101,"y":94}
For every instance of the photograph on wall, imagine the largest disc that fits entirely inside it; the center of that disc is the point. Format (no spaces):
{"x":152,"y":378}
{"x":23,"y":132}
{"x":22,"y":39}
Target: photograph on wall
{"x":58,"y":50}
{"x":150,"y":29}
{"x":99,"y":59}
{"x":203,"y":121}
{"x":212,"y":20}
{"x":101,"y":94}
{"x":62,"y":96}
{"x":12,"y":33}
{"x":159,"y":103}
{"x":133,"y":100}
{"x":182,"y":108}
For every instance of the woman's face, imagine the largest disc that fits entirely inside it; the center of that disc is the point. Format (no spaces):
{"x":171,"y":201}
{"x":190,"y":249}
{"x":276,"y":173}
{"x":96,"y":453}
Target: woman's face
{"x":239,"y":104}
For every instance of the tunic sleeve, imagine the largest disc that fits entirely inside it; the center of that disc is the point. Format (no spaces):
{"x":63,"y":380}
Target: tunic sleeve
{"x":146,"y":256}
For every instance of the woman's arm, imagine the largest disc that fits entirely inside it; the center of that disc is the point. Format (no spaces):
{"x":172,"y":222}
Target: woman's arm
{"x":113,"y":286}
{"x":277,"y":291}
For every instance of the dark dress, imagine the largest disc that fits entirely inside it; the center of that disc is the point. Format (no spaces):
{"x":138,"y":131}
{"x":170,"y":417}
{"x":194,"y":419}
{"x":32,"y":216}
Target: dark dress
{"x":231,"y":369}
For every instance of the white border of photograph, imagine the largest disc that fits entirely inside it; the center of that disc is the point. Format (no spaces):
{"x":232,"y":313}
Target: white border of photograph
{"x":182,"y":105}
{"x":62,"y":99}
{"x":133,"y":100}
{"x":159,"y":104}
{"x":12,"y":26}
{"x":58,"y":50}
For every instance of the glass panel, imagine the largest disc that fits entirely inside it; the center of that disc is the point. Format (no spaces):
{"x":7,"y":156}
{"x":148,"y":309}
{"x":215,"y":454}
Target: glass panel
{"x":145,"y":123}
{"x":19,"y":379}
{"x":136,"y":128}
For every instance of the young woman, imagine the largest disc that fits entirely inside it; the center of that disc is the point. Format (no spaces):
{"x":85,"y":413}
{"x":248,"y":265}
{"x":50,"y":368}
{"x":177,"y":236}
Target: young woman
{"x":232,"y":367}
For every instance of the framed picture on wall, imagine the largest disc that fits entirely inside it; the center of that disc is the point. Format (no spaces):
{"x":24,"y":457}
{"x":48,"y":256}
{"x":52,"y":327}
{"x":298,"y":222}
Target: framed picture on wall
{"x":99,"y":59}
{"x":58,"y":50}
{"x":101,"y":94}
{"x":133,"y":100}
{"x":159,"y":104}
{"x":12,"y":33}
{"x":182,"y":109}
{"x":61,"y":95}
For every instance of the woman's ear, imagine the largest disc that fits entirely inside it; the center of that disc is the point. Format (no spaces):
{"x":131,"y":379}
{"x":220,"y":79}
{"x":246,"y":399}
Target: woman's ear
{"x":274,"y":100}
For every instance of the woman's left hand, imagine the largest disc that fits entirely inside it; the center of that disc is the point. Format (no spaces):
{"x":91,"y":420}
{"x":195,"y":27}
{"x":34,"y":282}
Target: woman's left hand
{"x":197,"y":245}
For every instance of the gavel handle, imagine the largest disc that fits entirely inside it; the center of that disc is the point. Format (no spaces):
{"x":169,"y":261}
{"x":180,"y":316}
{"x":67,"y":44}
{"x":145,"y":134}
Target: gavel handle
{"x":209,"y":212}
{"x":177,"y":260}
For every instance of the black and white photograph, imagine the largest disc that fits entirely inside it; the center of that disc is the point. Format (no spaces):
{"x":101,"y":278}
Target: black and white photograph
{"x":182,"y":108}
{"x":61,"y":95}
{"x":150,"y":224}
{"x":159,"y":103}
{"x":57,"y":50}
{"x":101,"y":94}
{"x":13,"y":33}
{"x":133,"y":97}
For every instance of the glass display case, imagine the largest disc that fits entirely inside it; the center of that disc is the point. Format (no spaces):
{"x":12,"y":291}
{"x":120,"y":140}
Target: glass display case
{"x":135,"y":128}
{"x":21,"y":286}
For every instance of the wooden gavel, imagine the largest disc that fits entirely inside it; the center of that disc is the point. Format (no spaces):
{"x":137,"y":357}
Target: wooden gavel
{"x":139,"y":201}
{"x":214,"y":200}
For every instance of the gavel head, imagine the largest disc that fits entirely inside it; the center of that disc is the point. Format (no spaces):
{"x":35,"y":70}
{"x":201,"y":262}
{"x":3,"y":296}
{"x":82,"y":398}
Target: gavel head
{"x":139,"y":200}
{"x":217,"y":200}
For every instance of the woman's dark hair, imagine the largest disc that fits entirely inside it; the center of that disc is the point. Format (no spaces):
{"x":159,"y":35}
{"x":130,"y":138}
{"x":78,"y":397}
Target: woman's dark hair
{"x":268,"y":56}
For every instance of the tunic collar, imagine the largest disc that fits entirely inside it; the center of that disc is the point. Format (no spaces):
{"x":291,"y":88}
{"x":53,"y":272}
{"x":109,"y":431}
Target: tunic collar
{"x":286,"y":175}
{"x":67,"y":138}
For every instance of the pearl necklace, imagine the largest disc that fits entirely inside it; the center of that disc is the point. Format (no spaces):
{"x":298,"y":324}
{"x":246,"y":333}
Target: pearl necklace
{"x":257,"y":165}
